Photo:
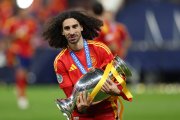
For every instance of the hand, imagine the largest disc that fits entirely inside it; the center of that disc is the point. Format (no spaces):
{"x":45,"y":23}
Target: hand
{"x":83,"y":101}
{"x":110,"y":87}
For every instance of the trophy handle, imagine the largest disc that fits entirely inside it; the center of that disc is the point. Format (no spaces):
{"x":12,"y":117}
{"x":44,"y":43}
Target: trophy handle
{"x":121,"y":67}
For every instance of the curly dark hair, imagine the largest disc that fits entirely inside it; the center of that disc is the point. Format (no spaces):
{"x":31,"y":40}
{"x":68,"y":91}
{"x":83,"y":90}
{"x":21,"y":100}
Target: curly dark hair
{"x":53,"y":28}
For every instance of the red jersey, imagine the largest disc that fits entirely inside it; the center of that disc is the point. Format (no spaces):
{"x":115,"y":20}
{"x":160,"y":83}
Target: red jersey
{"x":113,"y":35}
{"x":22,"y":31}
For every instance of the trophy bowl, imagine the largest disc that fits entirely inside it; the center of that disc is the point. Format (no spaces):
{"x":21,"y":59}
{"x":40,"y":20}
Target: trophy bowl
{"x":87,"y":82}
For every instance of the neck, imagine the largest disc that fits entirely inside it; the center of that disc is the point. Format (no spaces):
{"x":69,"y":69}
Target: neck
{"x":77,"y":46}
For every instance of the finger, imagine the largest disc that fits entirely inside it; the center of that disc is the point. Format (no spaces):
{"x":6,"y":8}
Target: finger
{"x":102,"y":89}
{"x":77,"y":100}
{"x":89,"y":99}
{"x":110,"y":82}
{"x":106,"y":85}
{"x":105,"y":88}
{"x":84,"y":96}
{"x":81,"y":97}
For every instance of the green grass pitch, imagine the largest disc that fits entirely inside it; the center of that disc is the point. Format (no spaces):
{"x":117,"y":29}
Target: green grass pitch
{"x":145,"y":106}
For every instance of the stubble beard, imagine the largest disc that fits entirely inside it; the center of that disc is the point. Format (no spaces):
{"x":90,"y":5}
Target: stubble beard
{"x":75,"y":40}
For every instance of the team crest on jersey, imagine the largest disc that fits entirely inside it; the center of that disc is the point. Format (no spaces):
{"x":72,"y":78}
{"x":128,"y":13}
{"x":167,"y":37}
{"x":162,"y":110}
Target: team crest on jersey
{"x":59,"y":78}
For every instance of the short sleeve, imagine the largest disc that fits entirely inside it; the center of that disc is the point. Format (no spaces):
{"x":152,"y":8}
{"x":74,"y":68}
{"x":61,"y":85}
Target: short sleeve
{"x":62,"y":75}
{"x":105,"y":55}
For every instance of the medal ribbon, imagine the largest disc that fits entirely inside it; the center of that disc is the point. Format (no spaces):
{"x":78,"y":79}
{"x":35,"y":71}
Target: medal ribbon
{"x":88,"y":59}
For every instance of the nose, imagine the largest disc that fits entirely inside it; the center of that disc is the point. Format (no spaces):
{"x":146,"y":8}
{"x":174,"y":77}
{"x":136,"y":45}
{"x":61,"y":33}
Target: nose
{"x":71,"y":31}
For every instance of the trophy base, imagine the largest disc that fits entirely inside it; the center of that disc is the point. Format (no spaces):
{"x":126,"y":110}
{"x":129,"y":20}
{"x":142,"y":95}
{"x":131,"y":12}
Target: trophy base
{"x":65,"y":112}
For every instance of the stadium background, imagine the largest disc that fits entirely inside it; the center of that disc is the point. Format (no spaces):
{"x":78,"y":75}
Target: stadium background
{"x":154,"y":56}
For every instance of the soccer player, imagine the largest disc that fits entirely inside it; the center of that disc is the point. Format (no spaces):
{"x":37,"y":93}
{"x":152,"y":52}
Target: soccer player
{"x":113,"y":34}
{"x":20,"y":30}
{"x":73,"y":31}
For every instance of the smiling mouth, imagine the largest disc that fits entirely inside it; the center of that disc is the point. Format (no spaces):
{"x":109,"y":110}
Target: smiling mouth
{"x":72,"y":37}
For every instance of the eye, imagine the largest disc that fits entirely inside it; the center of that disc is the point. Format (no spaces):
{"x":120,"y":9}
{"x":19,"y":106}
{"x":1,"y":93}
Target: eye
{"x":66,"y":28}
{"x":75,"y":26}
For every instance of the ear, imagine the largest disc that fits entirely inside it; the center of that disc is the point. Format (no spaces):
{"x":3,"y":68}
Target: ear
{"x":62,"y":33}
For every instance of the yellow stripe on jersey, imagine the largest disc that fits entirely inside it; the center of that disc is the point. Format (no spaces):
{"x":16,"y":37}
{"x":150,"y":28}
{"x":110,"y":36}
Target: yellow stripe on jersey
{"x":102,"y":45}
{"x":108,"y":51}
{"x":57,"y":57}
{"x":114,"y":106}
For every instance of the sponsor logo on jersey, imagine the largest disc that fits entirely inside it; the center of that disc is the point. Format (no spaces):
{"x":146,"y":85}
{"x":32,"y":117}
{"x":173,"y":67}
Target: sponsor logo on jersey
{"x":73,"y":67}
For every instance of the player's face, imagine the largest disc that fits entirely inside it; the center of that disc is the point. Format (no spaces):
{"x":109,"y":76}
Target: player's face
{"x":72,"y":30}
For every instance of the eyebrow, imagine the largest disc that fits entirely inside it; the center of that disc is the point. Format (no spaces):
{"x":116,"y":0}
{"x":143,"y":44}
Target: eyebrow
{"x":66,"y":27}
{"x":74,"y":25}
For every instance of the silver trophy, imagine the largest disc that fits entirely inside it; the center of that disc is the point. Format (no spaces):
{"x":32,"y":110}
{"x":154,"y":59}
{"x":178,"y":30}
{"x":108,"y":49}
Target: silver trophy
{"x":87,"y":82}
